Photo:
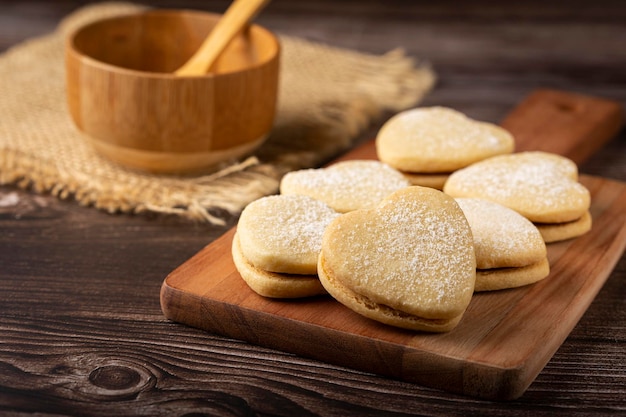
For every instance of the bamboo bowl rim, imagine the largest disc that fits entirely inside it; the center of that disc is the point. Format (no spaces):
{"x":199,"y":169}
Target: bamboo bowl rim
{"x":73,"y":48}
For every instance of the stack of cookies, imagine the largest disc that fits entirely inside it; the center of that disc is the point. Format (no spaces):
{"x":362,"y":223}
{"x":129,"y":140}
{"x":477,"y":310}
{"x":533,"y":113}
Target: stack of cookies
{"x":448,"y":211}
{"x":427,"y":144}
{"x":510,"y":251}
{"x":277,"y":242}
{"x":543,"y":187}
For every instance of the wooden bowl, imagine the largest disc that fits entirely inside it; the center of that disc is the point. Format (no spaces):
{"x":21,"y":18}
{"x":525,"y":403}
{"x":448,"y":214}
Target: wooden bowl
{"x":123,"y":95}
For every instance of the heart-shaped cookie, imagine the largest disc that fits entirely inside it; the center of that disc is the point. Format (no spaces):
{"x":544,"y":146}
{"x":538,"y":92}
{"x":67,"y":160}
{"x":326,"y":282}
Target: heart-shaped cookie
{"x":541,"y":186}
{"x":283,"y":233}
{"x":346,"y":186}
{"x":409,"y":262}
{"x":429,"y":140}
{"x":277,"y":242}
{"x":510,"y":251}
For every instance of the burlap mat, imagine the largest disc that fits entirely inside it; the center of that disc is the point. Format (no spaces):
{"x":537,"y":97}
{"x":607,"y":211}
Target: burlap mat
{"x":328,"y":96}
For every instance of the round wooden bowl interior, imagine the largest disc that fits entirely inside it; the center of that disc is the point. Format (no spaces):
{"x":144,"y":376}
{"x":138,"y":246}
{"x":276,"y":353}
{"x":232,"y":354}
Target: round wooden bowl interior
{"x":161,"y":41}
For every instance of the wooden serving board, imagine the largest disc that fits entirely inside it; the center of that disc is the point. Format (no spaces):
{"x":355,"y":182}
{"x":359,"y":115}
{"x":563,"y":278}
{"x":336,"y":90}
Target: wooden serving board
{"x":504,"y":339}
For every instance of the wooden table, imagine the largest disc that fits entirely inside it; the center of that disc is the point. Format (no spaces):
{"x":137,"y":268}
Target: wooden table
{"x":81,"y":329}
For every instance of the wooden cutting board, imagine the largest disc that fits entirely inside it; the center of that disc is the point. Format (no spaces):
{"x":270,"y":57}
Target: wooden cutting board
{"x":504,"y":339}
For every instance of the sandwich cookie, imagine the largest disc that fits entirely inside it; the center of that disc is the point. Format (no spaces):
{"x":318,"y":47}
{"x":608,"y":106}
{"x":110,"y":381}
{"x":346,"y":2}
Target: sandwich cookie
{"x":541,"y":186}
{"x":277,"y":242}
{"x":510,"y":251}
{"x":409,"y":262}
{"x":429,"y":143}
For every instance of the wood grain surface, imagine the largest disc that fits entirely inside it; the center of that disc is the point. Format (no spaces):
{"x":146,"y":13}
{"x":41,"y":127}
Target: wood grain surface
{"x":81,"y":329}
{"x":505,"y":337}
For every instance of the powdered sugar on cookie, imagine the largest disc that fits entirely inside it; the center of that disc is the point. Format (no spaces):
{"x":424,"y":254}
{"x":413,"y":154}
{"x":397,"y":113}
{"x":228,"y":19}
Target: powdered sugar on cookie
{"x":442,"y":129}
{"x":438,"y":140}
{"x":542,"y":187}
{"x":346,"y":186}
{"x":502,"y":237}
{"x":284,"y":233}
{"x":414,"y":252}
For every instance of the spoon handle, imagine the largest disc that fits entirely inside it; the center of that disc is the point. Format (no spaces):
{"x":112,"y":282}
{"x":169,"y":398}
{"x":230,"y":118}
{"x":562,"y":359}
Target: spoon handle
{"x":238,"y":15}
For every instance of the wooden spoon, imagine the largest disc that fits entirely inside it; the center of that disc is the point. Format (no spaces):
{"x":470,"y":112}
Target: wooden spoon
{"x":238,"y":15}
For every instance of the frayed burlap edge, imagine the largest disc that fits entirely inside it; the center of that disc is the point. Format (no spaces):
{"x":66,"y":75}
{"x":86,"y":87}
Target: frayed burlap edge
{"x":319,"y":115}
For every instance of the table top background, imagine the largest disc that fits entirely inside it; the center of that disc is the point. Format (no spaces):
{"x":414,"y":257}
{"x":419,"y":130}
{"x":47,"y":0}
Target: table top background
{"x":81,"y":329}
